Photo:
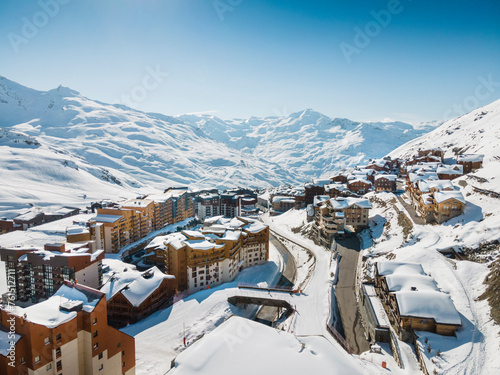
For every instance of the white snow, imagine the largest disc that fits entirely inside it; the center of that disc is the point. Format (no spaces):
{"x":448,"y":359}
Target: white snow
{"x":246,"y":347}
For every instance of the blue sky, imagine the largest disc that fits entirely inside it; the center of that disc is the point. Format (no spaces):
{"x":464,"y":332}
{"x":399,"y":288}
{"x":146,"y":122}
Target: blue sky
{"x":364,"y":60}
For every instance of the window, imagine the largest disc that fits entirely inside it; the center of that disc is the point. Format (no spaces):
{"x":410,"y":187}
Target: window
{"x":37,"y":359}
{"x":96,"y":345}
{"x":123,"y":364}
{"x":101,"y":367}
{"x":48,"y":367}
{"x":123,"y":353}
{"x":46,"y":341}
{"x":118,"y":344}
{"x":95,"y":333}
{"x":59,"y":365}
{"x":100,"y":355}
{"x":94,"y":321}
{"x":21,"y":361}
{"x":58,"y":352}
{"x":58,"y":337}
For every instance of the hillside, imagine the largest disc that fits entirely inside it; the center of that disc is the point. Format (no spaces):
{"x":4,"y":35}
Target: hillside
{"x":58,"y":146}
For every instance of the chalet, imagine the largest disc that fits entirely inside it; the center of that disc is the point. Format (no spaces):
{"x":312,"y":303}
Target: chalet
{"x":432,"y":151}
{"x":470,"y":162}
{"x":425,"y":159}
{"x":449,"y":204}
{"x":132,"y":295}
{"x":385,"y":183}
{"x":450,"y":172}
{"x":359,"y":186}
{"x":7,"y":226}
{"x":340,"y":178}
{"x":337,"y":189}
{"x":316,"y":187}
{"x":282,"y":204}
{"x":413,"y":299}
{"x":379,"y":165}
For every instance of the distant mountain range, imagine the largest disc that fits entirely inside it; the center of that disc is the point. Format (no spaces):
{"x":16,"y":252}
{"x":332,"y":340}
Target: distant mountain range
{"x":59,"y":146}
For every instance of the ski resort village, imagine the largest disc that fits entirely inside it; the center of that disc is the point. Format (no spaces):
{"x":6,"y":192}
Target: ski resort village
{"x":386,"y":264}
{"x":249,"y":187}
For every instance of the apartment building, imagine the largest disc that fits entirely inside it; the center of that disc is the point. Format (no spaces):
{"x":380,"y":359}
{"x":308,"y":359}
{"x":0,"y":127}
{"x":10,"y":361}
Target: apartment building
{"x":333,"y":215}
{"x":385,"y":182}
{"x":213,"y":255}
{"x":38,"y":273}
{"x":209,"y":205}
{"x":66,"y":334}
{"x":359,"y":185}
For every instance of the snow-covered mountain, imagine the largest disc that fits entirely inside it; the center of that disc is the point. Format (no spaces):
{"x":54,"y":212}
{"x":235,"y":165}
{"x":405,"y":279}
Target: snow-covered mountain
{"x":308,"y":143}
{"x":58,"y":146}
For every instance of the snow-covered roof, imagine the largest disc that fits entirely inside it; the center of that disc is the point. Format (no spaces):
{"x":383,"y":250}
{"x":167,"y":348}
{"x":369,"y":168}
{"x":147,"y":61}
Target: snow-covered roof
{"x":377,"y":306}
{"x":426,"y":185}
{"x":470,"y":158}
{"x":336,"y":186}
{"x":318,"y":182}
{"x":443,"y":196}
{"x":107,"y":218}
{"x":47,"y":313}
{"x":283,"y":199}
{"x":390,"y":177}
{"x":423,"y":176}
{"x":242,"y":346}
{"x":428,"y":305}
{"x":134,"y":285}
{"x":137,"y":203}
{"x":319,"y":199}
{"x":362,"y":180}
{"x":451,"y":169}
{"x":342,"y":203}
{"x":386,"y":268}
{"x":77,"y":229}
{"x":401,"y":283}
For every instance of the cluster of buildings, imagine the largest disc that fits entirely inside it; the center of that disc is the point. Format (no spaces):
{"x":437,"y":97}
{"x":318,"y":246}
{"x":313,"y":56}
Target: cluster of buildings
{"x":377,"y":175}
{"x":66,"y":334}
{"x":35,"y":216}
{"x":412,"y":299}
{"x":116,"y":227}
{"x":332,"y":216}
{"x":429,"y":186}
{"x":212,"y":255}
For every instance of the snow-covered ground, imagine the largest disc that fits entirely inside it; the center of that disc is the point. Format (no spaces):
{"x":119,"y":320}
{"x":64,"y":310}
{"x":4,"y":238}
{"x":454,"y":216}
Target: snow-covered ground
{"x":159,"y":337}
{"x":475,"y":350}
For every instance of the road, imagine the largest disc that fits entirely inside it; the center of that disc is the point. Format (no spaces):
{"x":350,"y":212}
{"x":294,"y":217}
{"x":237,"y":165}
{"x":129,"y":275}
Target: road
{"x":268,"y":314}
{"x":411,"y":211}
{"x":346,"y":294}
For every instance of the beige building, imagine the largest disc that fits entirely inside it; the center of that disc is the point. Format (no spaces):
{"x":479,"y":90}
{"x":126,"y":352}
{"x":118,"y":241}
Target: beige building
{"x":213,"y":255}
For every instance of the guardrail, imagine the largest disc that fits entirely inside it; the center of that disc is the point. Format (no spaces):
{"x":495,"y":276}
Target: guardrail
{"x":275,"y":288}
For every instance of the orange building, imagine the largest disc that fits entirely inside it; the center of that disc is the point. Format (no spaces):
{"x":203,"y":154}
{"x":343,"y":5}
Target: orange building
{"x":66,"y":334}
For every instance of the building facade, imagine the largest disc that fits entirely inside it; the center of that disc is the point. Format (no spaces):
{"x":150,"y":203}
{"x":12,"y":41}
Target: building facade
{"x":39,"y":273}
{"x":66,"y":334}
